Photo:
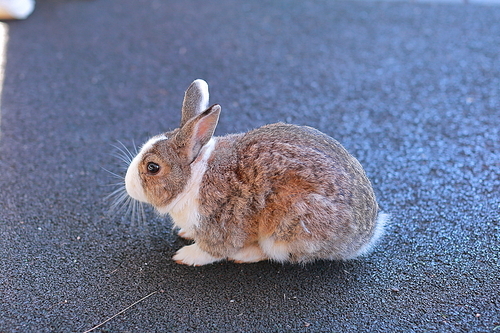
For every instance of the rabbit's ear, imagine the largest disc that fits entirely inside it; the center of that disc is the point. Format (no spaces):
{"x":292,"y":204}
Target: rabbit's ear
{"x":195,"y":100}
{"x":198,"y":131}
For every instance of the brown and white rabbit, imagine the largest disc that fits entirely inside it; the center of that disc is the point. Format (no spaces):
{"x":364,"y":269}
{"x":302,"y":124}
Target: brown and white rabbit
{"x":281,"y":192}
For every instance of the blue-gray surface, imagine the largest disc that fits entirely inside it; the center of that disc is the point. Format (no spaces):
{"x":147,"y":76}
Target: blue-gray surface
{"x":412,"y":90}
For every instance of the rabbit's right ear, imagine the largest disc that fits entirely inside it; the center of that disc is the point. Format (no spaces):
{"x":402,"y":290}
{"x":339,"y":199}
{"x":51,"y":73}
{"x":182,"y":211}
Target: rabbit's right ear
{"x":197,"y":132}
{"x":195,"y":100}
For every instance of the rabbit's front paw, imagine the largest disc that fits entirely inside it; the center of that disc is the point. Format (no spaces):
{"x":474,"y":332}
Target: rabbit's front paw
{"x":192,"y":255}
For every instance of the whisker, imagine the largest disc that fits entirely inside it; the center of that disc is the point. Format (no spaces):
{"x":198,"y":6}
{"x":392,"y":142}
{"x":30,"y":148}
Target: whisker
{"x":121,"y":147}
{"x":135,"y":147}
{"x":116,"y":193}
{"x":134,"y":212}
{"x":123,"y":158}
{"x":112,"y":173}
{"x":122,"y":183}
{"x":143,"y":213}
{"x":138,"y":213}
{"x":127,"y":151}
{"x":117,"y":206}
{"x":122,"y":200}
{"x":130,"y":209}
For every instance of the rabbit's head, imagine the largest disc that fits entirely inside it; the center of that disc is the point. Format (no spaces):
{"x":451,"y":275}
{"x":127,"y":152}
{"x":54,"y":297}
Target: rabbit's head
{"x":162,"y":168}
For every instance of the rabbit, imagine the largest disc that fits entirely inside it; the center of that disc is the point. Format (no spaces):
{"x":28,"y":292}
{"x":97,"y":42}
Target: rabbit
{"x":280,"y":192}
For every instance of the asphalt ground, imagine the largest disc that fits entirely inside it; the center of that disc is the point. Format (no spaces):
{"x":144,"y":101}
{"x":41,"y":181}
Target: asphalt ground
{"x":411,"y":89}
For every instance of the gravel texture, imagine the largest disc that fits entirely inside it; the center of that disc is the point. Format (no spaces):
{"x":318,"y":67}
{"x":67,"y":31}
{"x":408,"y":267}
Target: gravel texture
{"x":411,"y":89}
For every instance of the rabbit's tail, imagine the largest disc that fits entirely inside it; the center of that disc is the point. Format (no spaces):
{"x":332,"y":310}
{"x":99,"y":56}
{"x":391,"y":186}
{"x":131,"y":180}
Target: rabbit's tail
{"x":383,"y":220}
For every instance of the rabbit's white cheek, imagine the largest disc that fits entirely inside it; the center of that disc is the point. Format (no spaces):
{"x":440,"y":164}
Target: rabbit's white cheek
{"x":133,"y":182}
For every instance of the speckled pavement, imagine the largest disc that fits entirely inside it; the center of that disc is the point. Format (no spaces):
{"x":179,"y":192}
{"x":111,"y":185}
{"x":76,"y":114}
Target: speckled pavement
{"x":411,"y":89}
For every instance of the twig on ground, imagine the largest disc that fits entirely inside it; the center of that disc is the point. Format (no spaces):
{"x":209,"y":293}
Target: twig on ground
{"x":119,"y":313}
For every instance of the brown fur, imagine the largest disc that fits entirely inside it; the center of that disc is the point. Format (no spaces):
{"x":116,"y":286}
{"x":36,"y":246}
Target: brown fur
{"x":263,"y":183}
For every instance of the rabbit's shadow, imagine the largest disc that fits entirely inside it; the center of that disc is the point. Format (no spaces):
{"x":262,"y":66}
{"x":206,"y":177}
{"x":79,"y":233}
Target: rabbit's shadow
{"x":256,"y":280}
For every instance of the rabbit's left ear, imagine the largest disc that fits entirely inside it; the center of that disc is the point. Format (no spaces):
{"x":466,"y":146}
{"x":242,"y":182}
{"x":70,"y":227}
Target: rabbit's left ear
{"x":198,"y":131}
{"x":195,"y":100}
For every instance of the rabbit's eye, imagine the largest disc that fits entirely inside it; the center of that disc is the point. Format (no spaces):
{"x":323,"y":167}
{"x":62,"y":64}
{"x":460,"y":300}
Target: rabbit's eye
{"x":153,"y":168}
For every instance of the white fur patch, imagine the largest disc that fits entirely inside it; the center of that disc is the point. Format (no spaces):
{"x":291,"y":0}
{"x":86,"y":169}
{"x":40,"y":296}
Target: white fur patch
{"x":249,"y":254}
{"x":275,"y":251}
{"x":203,"y":88}
{"x":304,"y":226}
{"x":133,"y":183}
{"x":184,"y":208}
